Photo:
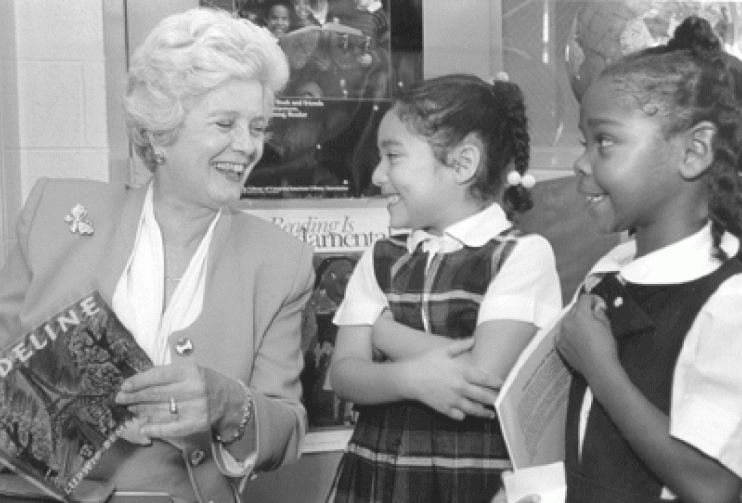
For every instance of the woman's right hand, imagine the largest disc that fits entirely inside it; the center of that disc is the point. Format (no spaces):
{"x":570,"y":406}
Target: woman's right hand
{"x":451,"y":385}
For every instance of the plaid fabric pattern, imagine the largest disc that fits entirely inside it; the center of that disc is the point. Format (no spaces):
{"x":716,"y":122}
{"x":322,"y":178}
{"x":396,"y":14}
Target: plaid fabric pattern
{"x":406,"y":452}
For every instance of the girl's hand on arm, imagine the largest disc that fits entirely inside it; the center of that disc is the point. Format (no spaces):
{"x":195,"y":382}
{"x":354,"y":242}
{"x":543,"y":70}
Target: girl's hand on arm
{"x":436,"y":378}
{"x":586,"y":343}
{"x":400,"y":342}
{"x":452,"y":385}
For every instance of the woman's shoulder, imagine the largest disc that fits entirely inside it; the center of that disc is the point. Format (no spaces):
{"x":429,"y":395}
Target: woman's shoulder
{"x":68,"y":194}
{"x":75,"y":186}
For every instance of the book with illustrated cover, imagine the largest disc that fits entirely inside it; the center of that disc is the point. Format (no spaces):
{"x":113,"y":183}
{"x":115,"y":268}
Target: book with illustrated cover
{"x":57,"y":389}
{"x":340,"y":231}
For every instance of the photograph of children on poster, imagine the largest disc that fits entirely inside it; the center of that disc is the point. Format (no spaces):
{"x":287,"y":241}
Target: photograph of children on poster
{"x":348,"y":59}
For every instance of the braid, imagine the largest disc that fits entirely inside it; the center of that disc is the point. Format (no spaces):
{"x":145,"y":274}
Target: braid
{"x":717,"y":100}
{"x":515,"y":140}
{"x":688,"y":81}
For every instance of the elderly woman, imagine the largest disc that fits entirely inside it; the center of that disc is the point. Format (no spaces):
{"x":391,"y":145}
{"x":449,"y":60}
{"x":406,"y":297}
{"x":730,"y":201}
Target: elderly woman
{"x":213,"y":295}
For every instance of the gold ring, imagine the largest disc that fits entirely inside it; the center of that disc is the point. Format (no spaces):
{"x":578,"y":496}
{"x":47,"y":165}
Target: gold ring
{"x":173,"y":406}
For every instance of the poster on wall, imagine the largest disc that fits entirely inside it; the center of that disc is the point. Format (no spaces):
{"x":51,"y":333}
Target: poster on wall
{"x":340,"y":230}
{"x":348,"y":59}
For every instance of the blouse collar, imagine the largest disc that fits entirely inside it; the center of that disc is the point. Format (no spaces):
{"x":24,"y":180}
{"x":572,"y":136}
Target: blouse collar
{"x":473,"y":231}
{"x":685,"y":260}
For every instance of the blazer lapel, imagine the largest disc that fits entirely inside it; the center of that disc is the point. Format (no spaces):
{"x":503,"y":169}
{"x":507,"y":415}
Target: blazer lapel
{"x":122,"y":241}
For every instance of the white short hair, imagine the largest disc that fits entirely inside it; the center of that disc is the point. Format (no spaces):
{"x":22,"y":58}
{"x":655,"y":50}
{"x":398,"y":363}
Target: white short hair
{"x":185,"y":56}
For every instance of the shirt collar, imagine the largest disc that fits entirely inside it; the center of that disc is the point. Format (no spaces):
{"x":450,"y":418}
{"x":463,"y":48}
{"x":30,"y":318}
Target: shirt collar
{"x":473,"y":231}
{"x":682,"y":261}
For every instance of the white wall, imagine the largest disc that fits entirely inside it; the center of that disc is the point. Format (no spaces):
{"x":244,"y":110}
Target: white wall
{"x":10,"y":193}
{"x":462,"y":36}
{"x":58,"y":114}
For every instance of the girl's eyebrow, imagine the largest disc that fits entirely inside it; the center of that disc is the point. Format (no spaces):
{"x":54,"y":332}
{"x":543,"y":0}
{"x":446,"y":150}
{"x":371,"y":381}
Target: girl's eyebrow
{"x":600,"y":121}
{"x":389,"y":143}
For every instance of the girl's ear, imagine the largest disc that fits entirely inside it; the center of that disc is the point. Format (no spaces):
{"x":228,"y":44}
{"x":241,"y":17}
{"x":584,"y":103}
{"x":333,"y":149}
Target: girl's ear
{"x":699,"y":152}
{"x":466,"y":158}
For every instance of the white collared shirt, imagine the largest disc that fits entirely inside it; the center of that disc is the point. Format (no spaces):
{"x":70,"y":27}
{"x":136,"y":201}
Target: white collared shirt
{"x":525,"y":289}
{"x":706,"y":402}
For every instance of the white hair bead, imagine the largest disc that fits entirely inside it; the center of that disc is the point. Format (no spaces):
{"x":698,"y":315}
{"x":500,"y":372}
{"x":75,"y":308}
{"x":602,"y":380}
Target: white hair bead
{"x":528,"y":181}
{"x":514,"y":178}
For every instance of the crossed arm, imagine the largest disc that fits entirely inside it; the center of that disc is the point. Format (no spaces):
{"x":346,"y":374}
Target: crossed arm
{"x":456,"y":378}
{"x":437,"y":378}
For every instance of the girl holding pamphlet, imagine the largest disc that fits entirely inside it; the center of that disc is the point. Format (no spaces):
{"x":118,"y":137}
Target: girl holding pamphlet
{"x":655,"y":407}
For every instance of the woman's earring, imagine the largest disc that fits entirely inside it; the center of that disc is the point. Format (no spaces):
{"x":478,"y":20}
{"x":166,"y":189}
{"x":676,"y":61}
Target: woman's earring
{"x":159,"y":159}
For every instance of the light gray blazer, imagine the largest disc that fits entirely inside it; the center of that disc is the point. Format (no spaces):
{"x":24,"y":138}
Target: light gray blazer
{"x":257,"y":282}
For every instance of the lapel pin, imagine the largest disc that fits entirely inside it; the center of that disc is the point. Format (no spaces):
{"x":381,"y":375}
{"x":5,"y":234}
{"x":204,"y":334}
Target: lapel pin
{"x":184,"y":346}
{"x":78,"y":220}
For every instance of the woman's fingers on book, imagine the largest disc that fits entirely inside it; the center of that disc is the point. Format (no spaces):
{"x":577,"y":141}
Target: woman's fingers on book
{"x":132,"y":432}
{"x":161,"y":375}
{"x":169,"y":418}
{"x":168,"y":401}
{"x":160,"y":384}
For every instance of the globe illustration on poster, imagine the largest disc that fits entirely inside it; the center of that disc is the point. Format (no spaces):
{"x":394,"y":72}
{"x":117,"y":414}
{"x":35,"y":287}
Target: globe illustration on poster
{"x":604,"y":31}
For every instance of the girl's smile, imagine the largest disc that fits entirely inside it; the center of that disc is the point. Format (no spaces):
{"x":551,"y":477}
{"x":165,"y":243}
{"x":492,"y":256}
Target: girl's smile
{"x":628,"y":171}
{"x":417,"y":186}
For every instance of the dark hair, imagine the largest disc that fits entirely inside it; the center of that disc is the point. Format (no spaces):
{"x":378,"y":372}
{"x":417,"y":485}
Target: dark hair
{"x":446,"y":109}
{"x":689,"y":80}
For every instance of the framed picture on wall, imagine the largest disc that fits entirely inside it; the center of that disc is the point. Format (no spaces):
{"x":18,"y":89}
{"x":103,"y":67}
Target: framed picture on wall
{"x":347,"y":59}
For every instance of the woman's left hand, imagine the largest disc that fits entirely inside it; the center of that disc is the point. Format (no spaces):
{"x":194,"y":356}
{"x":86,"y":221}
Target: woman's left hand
{"x":584,"y":337}
{"x":174,"y":401}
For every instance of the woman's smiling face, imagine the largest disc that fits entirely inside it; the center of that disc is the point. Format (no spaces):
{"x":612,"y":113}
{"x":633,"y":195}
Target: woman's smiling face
{"x":217,"y":145}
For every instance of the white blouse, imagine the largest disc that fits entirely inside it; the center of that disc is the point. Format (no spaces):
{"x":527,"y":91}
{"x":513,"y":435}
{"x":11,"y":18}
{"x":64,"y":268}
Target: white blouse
{"x":138,"y":302}
{"x":140,"y":291}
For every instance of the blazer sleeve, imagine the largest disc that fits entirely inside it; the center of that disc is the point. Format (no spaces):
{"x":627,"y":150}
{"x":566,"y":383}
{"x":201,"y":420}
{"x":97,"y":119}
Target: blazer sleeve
{"x":280,"y":415}
{"x":16,"y":274}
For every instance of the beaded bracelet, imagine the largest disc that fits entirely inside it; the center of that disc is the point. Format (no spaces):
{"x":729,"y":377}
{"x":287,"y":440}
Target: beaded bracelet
{"x":247,"y":411}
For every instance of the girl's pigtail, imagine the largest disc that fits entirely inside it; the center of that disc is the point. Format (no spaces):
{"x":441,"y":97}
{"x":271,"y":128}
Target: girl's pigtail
{"x":718,"y":95}
{"x":515,"y":142}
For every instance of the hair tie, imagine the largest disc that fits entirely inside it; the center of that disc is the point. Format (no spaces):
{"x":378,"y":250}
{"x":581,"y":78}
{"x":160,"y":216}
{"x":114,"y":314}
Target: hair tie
{"x":500,"y":77}
{"x":527,"y":180}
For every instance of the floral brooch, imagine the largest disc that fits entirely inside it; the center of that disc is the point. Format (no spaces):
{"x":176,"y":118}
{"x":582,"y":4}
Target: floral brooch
{"x":78,"y":220}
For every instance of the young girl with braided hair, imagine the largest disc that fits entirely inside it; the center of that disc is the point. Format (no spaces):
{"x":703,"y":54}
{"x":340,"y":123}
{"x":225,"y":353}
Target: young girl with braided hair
{"x":433,"y":320}
{"x":655,"y":407}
